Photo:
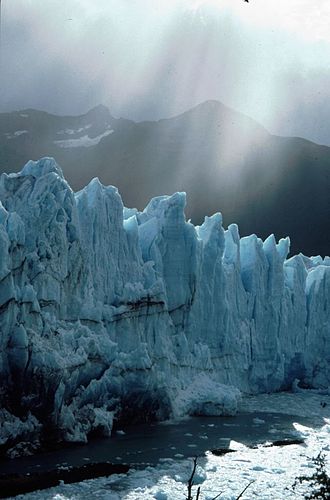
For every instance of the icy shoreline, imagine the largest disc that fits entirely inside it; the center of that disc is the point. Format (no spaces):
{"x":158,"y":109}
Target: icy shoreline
{"x":273,"y":470}
{"x":107,"y":313}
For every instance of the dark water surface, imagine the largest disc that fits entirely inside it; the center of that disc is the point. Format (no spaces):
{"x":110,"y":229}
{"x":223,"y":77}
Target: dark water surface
{"x":143,"y":444}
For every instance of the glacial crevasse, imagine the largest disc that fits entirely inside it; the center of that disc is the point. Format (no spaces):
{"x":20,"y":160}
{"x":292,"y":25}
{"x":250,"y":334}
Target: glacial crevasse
{"x":109,"y":313}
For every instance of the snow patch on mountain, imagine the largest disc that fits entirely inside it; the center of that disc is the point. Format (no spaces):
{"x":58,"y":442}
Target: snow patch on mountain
{"x":71,"y":131}
{"x":81,"y":142}
{"x":13,"y":135}
{"x":108,"y":313}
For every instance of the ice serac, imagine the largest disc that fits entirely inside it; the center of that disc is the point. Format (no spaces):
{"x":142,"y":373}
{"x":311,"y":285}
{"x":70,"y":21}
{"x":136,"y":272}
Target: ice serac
{"x":110,"y":314}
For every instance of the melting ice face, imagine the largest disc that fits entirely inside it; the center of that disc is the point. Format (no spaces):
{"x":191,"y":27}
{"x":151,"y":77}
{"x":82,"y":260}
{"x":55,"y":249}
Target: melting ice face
{"x":145,"y":318}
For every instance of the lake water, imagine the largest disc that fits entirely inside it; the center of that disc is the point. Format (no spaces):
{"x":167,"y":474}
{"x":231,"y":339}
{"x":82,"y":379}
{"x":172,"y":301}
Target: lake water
{"x":143,"y":444}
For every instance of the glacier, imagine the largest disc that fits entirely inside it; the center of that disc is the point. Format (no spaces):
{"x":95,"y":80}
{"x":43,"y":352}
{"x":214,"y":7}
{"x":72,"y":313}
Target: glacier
{"x":109,"y":315}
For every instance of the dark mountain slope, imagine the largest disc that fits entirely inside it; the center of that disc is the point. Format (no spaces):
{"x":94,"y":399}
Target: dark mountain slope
{"x":224,"y":160}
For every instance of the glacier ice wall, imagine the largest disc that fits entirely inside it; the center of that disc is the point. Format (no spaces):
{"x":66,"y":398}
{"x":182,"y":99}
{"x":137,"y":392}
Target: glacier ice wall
{"x":107,"y":312}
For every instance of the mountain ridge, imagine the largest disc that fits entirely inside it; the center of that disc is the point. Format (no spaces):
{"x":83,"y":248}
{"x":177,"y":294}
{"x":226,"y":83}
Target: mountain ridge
{"x":224,"y":160}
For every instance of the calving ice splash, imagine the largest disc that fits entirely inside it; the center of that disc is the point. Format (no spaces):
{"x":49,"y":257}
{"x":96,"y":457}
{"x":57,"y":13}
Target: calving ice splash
{"x":109,"y":314}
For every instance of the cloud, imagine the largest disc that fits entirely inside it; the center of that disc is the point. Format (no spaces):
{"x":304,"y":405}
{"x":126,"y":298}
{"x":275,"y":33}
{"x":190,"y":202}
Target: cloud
{"x":147,"y":59}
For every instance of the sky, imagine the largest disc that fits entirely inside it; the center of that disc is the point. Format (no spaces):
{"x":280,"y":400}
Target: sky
{"x":144,"y":59}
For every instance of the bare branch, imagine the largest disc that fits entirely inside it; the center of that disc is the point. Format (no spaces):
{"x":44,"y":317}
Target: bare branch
{"x":218,"y":495}
{"x":246,"y":487}
{"x":191,"y":479}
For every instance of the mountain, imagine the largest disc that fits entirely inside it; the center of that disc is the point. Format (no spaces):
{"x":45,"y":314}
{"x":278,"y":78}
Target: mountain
{"x":224,"y":160}
{"x":112,"y":315}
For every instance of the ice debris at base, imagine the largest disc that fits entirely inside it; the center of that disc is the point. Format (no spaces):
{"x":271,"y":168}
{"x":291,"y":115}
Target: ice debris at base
{"x":272,"y":470}
{"x":108,"y":312}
